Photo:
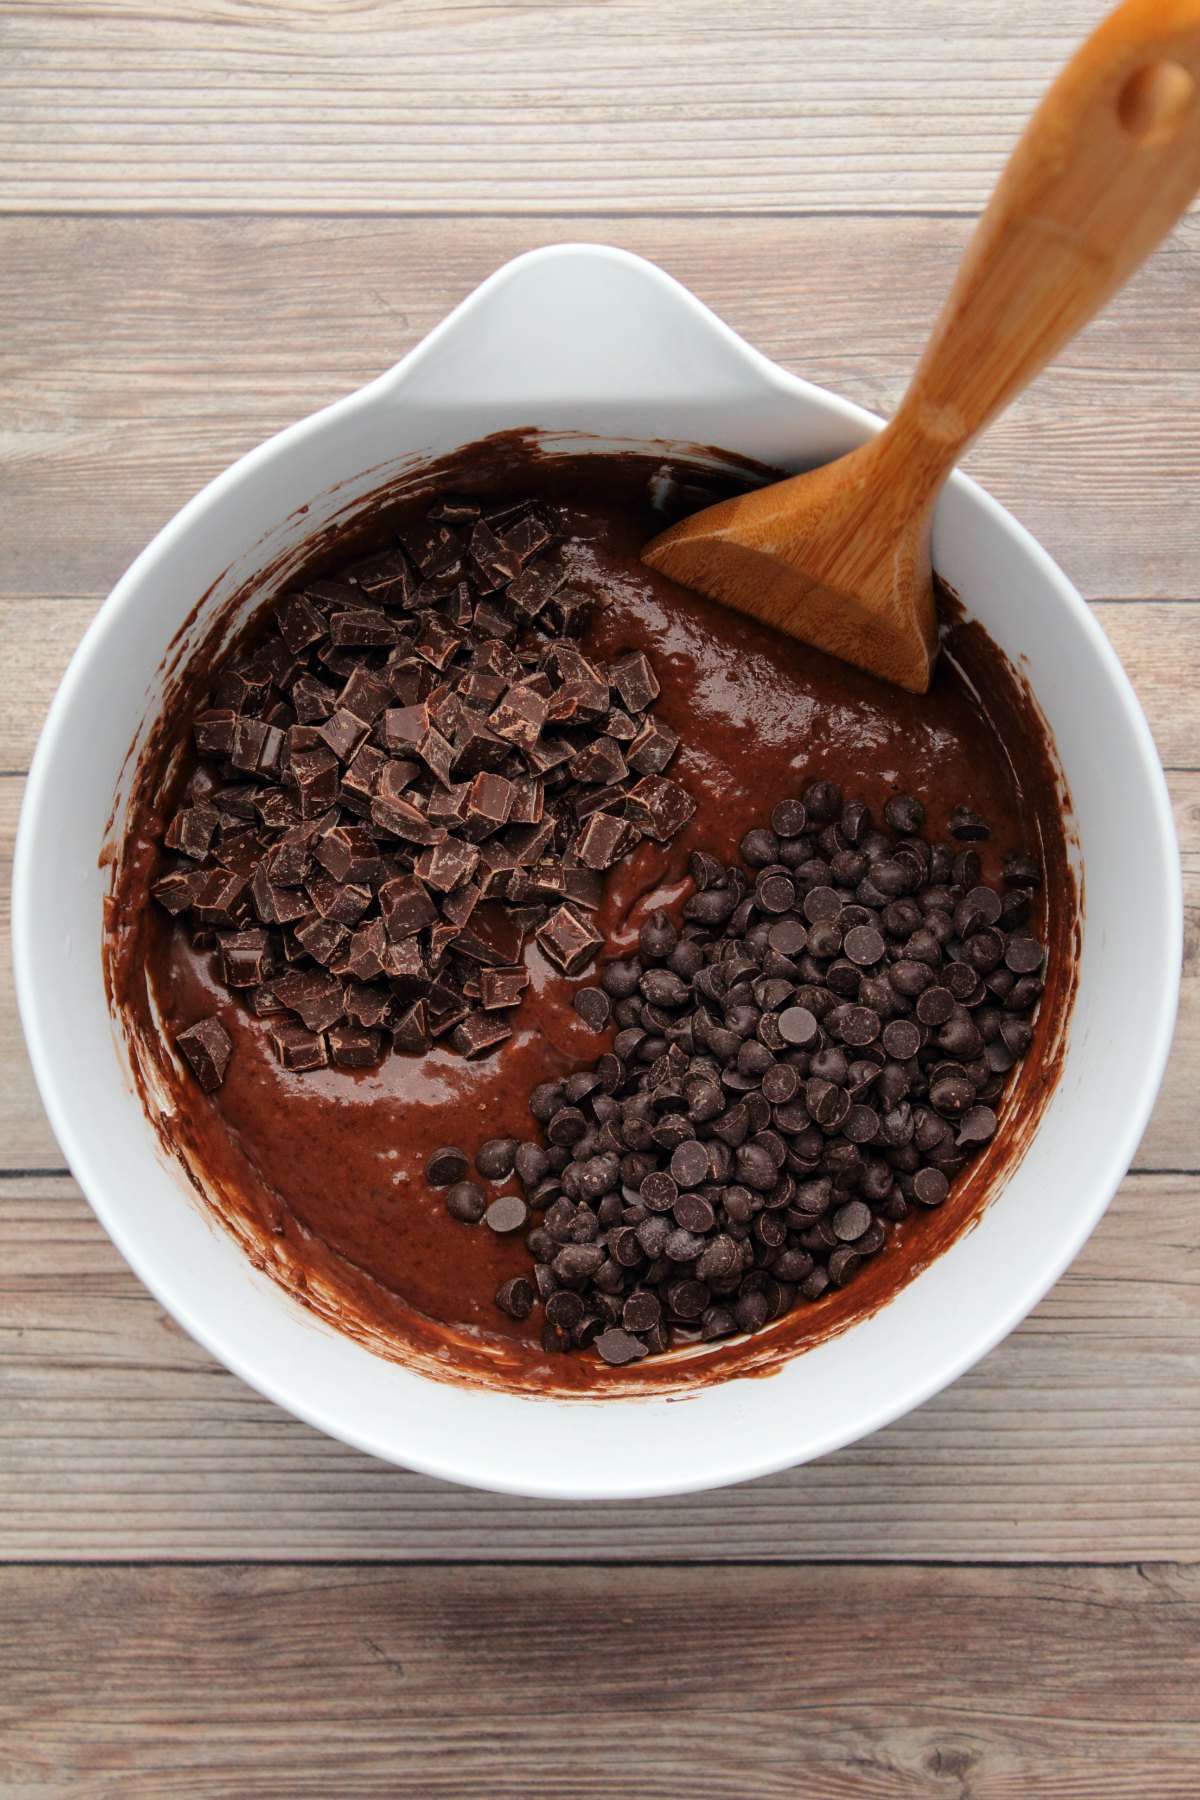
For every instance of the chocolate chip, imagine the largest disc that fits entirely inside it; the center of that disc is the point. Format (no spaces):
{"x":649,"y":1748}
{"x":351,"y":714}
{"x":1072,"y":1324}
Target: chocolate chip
{"x":689,"y":1164}
{"x":494,"y":1160}
{"x":930,"y":1187}
{"x":1023,"y":955}
{"x":694,"y":1212}
{"x":842,"y":1265}
{"x":508,"y":1213}
{"x":515,"y":1297}
{"x":594,"y":1008}
{"x":864,"y":945}
{"x":798,"y":1026}
{"x":935,"y":1006}
{"x":977,"y":1126}
{"x":968,"y":826}
{"x":759,"y":848}
{"x":905,"y":814}
{"x":446,"y":1166}
{"x":851,"y":1221}
{"x":618,"y":1346}
{"x":466,"y":1201}
{"x":901,"y":1039}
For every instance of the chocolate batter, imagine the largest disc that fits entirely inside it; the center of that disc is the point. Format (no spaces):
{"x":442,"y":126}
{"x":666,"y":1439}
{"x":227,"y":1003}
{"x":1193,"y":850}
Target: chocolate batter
{"x":321,"y":1175}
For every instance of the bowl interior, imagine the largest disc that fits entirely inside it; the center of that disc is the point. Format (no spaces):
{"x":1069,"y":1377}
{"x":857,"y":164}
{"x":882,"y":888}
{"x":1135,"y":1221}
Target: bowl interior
{"x":590,"y":347}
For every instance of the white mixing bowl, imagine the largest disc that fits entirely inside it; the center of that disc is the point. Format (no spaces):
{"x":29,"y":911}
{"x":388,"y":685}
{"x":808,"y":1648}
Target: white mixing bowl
{"x":586,"y":340}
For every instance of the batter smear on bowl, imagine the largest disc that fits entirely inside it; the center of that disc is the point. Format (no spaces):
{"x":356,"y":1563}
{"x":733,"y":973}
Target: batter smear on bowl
{"x":480,"y":818}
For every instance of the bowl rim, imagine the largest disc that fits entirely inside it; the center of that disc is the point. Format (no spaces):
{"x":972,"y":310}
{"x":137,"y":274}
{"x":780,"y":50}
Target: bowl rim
{"x":455,"y":1465}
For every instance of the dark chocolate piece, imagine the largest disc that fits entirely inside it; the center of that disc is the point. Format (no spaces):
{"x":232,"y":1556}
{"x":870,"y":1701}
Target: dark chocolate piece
{"x":207,"y":1048}
{"x":569,"y":940}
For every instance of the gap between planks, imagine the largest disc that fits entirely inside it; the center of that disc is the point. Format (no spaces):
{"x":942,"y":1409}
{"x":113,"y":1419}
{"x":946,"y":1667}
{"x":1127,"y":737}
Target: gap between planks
{"x":138,"y":366}
{"x":1077,"y":1439}
{"x":819,"y":1683}
{"x":479,"y":106}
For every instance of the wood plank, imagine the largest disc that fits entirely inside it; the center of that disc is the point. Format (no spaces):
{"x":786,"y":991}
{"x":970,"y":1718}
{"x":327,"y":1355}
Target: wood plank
{"x":809,"y":1684}
{"x":1158,"y":642}
{"x":481,"y":106}
{"x":1078,"y":1438}
{"x":144,"y":355}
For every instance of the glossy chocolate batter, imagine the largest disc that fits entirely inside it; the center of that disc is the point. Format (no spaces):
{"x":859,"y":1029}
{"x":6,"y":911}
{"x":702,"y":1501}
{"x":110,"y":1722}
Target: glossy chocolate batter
{"x":322,"y":1175}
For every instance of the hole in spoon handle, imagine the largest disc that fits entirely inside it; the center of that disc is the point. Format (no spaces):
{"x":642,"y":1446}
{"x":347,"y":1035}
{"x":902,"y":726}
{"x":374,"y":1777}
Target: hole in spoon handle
{"x":1155,"y":102}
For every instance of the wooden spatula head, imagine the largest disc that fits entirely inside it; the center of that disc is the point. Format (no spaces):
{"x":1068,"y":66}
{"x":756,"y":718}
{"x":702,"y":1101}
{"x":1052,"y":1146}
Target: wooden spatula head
{"x":1106,"y":165}
{"x":838,"y":557}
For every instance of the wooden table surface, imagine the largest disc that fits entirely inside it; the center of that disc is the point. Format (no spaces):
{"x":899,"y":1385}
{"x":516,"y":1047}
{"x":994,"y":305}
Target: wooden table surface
{"x":212,"y":221}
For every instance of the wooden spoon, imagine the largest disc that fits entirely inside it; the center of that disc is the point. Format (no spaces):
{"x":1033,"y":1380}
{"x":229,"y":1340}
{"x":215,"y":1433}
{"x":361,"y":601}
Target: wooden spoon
{"x":840,"y":557}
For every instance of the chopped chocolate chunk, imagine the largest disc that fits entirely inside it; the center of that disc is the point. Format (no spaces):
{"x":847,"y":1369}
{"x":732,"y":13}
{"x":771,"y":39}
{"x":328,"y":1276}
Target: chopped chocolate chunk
{"x":207,"y":1048}
{"x":224,"y":900}
{"x":568,"y":940}
{"x":176,"y":893}
{"x":275,"y":905}
{"x":245,"y":958}
{"x":653,"y":748}
{"x":520,"y":715}
{"x":502,"y":988}
{"x":367,"y":1004}
{"x":404,"y":820}
{"x":300,"y":624}
{"x":313,"y":700}
{"x":580,"y":700}
{"x":344,"y":733}
{"x":364,"y":628}
{"x":411,"y":1035}
{"x":660,"y":806}
{"x":604,"y":840}
{"x":406,"y":906}
{"x":490,"y":936}
{"x":488,"y":621}
{"x":315,"y":996}
{"x":191,"y":831}
{"x":534,"y":587}
{"x":312,"y":778}
{"x":634,"y":680}
{"x":458,"y":905}
{"x":435,"y":641}
{"x":496,"y":563}
{"x":343,"y":901}
{"x":476,"y":746}
{"x":296,"y":1048}
{"x":324,"y":939}
{"x":213,"y":731}
{"x":599,"y":762}
{"x":478,"y":1034}
{"x":386,"y":577}
{"x":489,"y":804}
{"x":353,"y":1047}
{"x":447,"y":865}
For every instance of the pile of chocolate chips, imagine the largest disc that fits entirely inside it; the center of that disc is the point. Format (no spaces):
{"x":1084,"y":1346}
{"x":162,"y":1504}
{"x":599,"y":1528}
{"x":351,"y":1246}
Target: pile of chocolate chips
{"x":413,"y":770}
{"x":818,"y":1050}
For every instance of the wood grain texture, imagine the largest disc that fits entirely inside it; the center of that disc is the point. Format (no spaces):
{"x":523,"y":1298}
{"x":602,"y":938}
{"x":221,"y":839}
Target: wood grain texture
{"x":141,"y":356}
{"x":388,"y":105}
{"x":809,"y":1684}
{"x":1077,"y":1439}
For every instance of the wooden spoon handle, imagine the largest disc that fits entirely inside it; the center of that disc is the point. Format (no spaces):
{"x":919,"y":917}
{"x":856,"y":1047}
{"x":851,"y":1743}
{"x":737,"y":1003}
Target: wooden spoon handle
{"x":1106,"y":165}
